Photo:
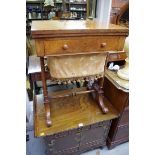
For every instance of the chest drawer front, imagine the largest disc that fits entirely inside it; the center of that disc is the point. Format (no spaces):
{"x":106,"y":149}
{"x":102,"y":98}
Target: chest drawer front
{"x":124,"y":118}
{"x":95,"y":136}
{"x":122,"y":132}
{"x":73,"y":45}
{"x":62,"y":143}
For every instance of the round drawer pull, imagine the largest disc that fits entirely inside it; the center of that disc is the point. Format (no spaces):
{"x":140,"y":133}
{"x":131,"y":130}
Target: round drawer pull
{"x":103,"y":44}
{"x":65,"y":47}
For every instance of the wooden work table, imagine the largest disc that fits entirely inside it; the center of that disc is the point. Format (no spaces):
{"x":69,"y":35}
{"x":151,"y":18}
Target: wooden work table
{"x":117,"y":91}
{"x":68,"y":114}
{"x":59,"y":38}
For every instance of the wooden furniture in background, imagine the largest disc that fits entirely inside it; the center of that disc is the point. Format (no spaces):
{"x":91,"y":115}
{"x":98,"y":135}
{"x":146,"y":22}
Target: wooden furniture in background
{"x":119,"y":7}
{"x":119,"y":98}
{"x":119,"y":131}
{"x":58,"y":38}
{"x":34,"y":70}
{"x":73,"y":8}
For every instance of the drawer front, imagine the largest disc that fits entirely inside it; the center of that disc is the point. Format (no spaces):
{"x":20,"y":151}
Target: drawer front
{"x":124,"y":118}
{"x":117,"y":56}
{"x":63,"y":143}
{"x":74,"y":45}
{"x":92,"y":146}
{"x":122,"y":132}
{"x":95,"y":134}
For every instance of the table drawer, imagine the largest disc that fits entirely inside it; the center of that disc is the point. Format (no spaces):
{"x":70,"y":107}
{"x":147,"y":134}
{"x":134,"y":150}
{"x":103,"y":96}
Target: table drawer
{"x":74,"y":45}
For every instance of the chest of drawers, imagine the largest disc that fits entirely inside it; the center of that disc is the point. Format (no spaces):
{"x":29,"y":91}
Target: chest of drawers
{"x":118,"y":95}
{"x":78,"y":140}
{"x":119,"y":130}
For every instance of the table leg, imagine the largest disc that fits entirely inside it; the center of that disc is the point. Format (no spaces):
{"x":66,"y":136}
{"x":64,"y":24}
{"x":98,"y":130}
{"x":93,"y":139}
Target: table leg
{"x":99,"y":95}
{"x":45,"y":93}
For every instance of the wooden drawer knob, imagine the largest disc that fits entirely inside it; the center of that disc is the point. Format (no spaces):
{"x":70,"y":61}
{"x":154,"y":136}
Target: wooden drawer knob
{"x":103,"y":44}
{"x":65,"y":47}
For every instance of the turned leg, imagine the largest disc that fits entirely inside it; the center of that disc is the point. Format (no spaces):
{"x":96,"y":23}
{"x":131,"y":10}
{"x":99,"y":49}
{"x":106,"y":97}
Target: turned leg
{"x":45,"y":93}
{"x":100,"y":82}
{"x":99,"y":95}
{"x":101,"y":103}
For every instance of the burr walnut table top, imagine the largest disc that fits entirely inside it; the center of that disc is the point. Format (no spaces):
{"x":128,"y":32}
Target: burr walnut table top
{"x":69,"y":112}
{"x":51,"y":28}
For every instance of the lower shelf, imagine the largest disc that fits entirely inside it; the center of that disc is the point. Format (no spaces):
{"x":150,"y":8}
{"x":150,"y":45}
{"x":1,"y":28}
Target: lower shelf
{"x":70,"y":113}
{"x":78,"y":125}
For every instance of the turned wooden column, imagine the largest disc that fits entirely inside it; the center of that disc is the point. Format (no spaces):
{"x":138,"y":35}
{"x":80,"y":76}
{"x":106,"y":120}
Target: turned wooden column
{"x":100,"y":82}
{"x":45,"y":93}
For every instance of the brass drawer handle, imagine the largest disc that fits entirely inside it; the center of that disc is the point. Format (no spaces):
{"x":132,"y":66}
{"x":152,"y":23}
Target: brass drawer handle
{"x":103,"y":44}
{"x":65,"y":47}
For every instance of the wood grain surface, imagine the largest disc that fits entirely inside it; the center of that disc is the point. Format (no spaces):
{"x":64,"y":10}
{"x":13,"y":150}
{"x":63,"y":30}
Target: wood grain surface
{"x":52,"y":28}
{"x":55,"y":38}
{"x":68,"y":113}
{"x":82,"y":45}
